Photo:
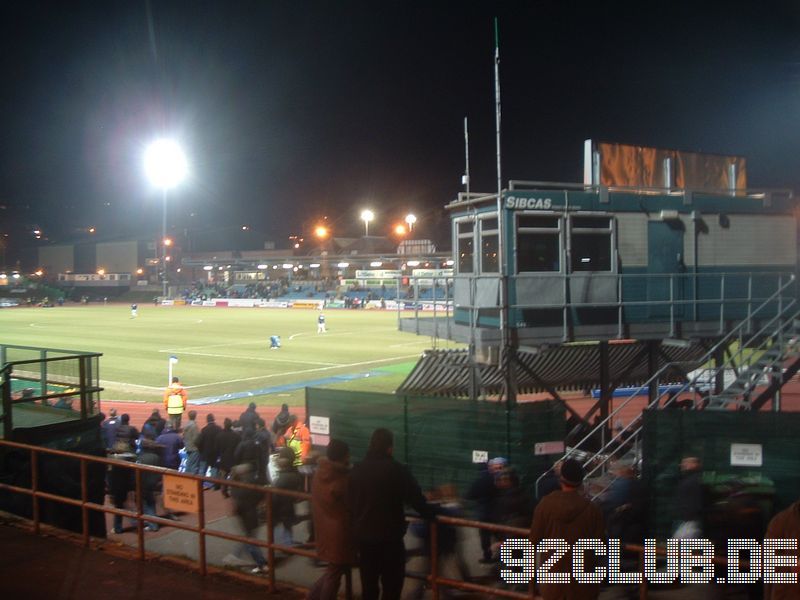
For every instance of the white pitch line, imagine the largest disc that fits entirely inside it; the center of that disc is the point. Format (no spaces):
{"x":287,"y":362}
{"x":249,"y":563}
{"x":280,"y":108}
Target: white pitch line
{"x":358,"y":364}
{"x":262,"y":358}
{"x":294,"y":335}
{"x":122,"y":384}
{"x":186,"y":348}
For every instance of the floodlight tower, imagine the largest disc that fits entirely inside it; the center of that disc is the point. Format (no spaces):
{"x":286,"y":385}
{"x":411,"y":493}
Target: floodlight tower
{"x":165,"y":166}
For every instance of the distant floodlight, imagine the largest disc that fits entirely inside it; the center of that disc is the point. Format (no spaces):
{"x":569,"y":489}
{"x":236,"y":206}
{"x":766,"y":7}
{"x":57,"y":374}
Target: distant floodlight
{"x":165,"y":164}
{"x":208,"y":268}
{"x":314,"y":266}
{"x":262,"y":267}
{"x":376,"y":263}
{"x":411,"y":219}
{"x":343,"y":265}
{"x":287,"y":265}
{"x":413,"y":263}
{"x":367,"y":216}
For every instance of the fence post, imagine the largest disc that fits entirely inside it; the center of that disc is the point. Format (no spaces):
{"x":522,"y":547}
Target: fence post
{"x":434,"y":550}
{"x":139,"y":521}
{"x":270,"y":541}
{"x":201,"y":526}
{"x":84,"y":500}
{"x":35,"y":489}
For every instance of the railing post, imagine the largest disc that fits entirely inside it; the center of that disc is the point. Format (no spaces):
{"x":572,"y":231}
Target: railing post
{"x":82,"y":386}
{"x":671,"y":306}
{"x":722,"y":304}
{"x":201,"y":526}
{"x":643,"y":583}
{"x":35,"y":489}
{"x":434,"y":550}
{"x":84,"y":500}
{"x":270,"y":541}
{"x":139,"y":520}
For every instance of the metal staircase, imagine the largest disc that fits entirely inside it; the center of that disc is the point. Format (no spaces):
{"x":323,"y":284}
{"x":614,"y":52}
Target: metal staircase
{"x":762,"y":353}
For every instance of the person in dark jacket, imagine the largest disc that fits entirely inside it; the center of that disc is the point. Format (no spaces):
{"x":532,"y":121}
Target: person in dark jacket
{"x":332,"y":519}
{"x":283,"y":512}
{"x":120,"y":484}
{"x":171,"y":443}
{"x":484,"y":493}
{"x":566,"y":514}
{"x":207,"y":445}
{"x":281,"y":421}
{"x":245,"y":504}
{"x":688,"y":500}
{"x":126,"y":435}
{"x":379,"y":489}
{"x":150,"y":454}
{"x":156,"y":421}
{"x":227,"y":441}
{"x":247,"y":420}
{"x":250,"y":451}
{"x":109,"y":429}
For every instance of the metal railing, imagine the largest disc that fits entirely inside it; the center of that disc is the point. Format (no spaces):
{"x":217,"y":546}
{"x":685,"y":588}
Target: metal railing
{"x":743,"y":334}
{"x":433,"y":577}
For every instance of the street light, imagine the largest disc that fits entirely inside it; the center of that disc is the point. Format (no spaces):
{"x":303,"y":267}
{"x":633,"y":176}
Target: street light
{"x":367,"y":216}
{"x":165,"y":166}
{"x":411,"y":219}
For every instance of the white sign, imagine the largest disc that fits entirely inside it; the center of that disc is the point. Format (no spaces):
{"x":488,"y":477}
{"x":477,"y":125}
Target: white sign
{"x":480,"y":456}
{"x":747,"y":455}
{"x":543,"y":448}
{"x":319,"y":425}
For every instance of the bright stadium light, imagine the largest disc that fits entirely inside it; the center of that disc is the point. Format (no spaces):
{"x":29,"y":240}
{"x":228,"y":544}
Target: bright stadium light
{"x":208,"y":268}
{"x":367,"y":216}
{"x":376,"y":263}
{"x":165,"y":166}
{"x":411,"y":219}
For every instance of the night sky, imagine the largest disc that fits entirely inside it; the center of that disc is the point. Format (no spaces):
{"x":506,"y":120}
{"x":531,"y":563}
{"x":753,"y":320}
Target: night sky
{"x":289,"y":111}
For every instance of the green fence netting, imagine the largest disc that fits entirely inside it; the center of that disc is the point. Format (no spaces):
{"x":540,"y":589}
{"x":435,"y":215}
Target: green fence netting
{"x":439,"y":437}
{"x":669,"y":435}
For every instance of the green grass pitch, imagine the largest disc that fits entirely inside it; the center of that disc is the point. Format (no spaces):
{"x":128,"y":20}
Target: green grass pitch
{"x":223,"y":350}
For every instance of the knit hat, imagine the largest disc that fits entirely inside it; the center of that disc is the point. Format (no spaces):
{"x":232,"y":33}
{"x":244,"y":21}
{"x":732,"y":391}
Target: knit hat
{"x":282,"y":420}
{"x":498,"y":461}
{"x":572,"y":472}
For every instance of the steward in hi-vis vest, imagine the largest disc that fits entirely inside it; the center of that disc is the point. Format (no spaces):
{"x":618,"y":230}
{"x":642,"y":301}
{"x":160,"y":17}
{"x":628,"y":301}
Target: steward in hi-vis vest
{"x":175,"y":397}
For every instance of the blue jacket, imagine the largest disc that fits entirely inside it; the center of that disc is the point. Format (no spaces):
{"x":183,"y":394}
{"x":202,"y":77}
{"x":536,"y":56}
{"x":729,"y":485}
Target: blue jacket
{"x":172,"y":443}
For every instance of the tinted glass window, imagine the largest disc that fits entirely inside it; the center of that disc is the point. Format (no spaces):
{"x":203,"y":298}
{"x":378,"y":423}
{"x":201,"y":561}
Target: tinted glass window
{"x":591,"y":252}
{"x":537,"y":252}
{"x":489,"y":263}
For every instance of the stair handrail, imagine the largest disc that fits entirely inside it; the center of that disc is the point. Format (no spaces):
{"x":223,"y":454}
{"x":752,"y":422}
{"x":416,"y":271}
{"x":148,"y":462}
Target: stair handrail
{"x":736,"y":331}
{"x":634,"y":434}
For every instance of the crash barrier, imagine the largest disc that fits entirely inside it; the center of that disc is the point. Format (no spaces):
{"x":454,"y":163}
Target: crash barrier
{"x":191,"y":489}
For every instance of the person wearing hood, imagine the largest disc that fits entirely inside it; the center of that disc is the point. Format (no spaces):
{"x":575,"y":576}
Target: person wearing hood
{"x":247,"y":420}
{"x":281,"y":421}
{"x":566,"y":514}
{"x":332,"y":519}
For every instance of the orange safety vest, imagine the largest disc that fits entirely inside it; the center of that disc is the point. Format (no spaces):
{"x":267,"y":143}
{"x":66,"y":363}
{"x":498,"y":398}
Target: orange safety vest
{"x":175,"y":399}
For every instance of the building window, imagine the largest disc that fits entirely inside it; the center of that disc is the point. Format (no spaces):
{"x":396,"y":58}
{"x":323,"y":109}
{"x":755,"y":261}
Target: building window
{"x":489,"y":246}
{"x":538,"y":244}
{"x":465,"y":245}
{"x":591,"y":244}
